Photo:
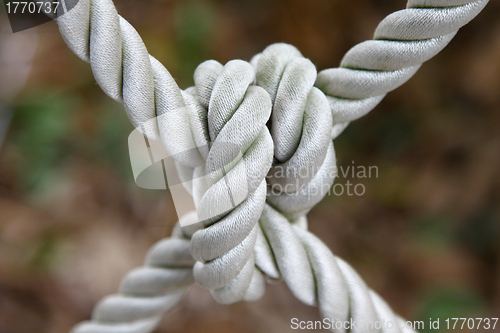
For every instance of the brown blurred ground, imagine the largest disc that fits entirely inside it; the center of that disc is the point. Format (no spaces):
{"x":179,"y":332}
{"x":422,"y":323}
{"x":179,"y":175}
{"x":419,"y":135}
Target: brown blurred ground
{"x":425,"y":235}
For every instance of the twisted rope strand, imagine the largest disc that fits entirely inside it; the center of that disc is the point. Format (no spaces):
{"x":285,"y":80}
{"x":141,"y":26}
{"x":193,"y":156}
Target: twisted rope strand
{"x":146,"y":292}
{"x":237,"y":116}
{"x":304,"y":168}
{"x":318,"y":278}
{"x":402,"y":42}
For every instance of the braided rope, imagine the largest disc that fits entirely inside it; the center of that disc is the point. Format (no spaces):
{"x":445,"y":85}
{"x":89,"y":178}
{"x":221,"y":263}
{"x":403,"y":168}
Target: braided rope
{"x":301,"y":125}
{"x":233,"y":252}
{"x":146,"y":292}
{"x":319,"y":278}
{"x":237,"y":114}
{"x":402,"y":42}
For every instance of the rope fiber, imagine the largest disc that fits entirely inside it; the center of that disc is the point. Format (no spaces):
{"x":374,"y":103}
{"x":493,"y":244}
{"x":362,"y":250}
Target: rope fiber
{"x":262,"y":236}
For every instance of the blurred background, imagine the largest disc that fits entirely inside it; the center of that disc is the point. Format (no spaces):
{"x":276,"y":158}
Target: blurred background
{"x":425,"y":235}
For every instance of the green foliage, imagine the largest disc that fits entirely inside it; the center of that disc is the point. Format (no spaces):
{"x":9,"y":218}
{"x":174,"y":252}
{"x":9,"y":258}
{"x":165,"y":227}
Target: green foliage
{"x":444,"y":303}
{"x":435,"y":233}
{"x":110,"y":144}
{"x":482,"y":232}
{"x":195,"y":21}
{"x":41,"y":127}
{"x":45,"y":253}
{"x":46,"y":136}
{"x":388,"y":136}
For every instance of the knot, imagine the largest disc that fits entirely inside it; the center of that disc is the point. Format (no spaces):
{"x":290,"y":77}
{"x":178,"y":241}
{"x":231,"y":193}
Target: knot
{"x":225,"y":154}
{"x":304,"y":165}
{"x":228,"y":156}
{"x":239,"y":155}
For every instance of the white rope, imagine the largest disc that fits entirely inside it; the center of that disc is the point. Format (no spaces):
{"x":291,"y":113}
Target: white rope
{"x":263,"y":235}
{"x":301,"y":125}
{"x":334,"y":286}
{"x":402,"y":42}
{"x":146,"y":292}
{"x":237,"y":114}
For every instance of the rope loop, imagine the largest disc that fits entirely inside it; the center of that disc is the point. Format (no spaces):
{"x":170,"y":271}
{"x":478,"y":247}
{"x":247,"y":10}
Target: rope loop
{"x":301,"y":126}
{"x":239,"y":158}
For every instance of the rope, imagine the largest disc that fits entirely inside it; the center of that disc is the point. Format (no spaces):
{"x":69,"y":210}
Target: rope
{"x":402,"y":42}
{"x":146,"y":292}
{"x":237,"y":116}
{"x":217,"y":131}
{"x":301,"y":125}
{"x":334,"y":286}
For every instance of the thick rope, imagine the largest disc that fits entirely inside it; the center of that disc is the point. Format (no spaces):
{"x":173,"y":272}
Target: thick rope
{"x":402,"y":42}
{"x":237,"y":116}
{"x":233,"y":252}
{"x":146,"y":292}
{"x":301,"y":125}
{"x":319,"y":278}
